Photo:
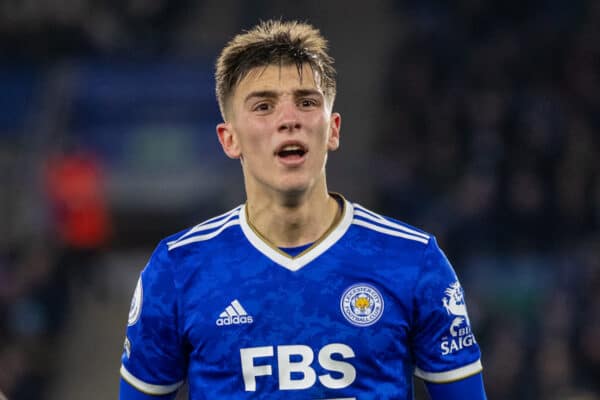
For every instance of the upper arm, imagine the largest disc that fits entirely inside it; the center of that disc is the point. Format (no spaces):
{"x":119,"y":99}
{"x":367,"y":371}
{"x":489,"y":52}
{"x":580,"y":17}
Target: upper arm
{"x":470,"y":388}
{"x":444,"y":346}
{"x":128,"y":392}
{"x":153,"y":359}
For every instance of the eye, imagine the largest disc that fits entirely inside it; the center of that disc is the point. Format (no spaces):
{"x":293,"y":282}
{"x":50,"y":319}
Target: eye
{"x":308,"y":102}
{"x":262,"y":107}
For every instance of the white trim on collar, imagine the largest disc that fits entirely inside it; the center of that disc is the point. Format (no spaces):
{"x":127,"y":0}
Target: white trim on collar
{"x":295,"y":263}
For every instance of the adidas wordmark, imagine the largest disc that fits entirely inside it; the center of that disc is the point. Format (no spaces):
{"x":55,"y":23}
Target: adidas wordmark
{"x":234,"y":314}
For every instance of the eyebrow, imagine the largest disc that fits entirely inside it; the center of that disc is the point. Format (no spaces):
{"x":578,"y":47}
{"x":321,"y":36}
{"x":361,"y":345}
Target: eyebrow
{"x":272,"y":94}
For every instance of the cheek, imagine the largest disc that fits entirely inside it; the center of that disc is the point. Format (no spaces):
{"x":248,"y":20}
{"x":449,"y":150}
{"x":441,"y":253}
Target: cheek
{"x":254,"y":140}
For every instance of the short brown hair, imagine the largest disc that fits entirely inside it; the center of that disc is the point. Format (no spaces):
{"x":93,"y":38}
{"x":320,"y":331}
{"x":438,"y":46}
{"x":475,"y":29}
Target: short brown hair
{"x":273,"y":42}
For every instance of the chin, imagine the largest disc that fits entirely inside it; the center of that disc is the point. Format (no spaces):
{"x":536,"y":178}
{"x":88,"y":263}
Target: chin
{"x":294,"y":182}
{"x":293,"y":188}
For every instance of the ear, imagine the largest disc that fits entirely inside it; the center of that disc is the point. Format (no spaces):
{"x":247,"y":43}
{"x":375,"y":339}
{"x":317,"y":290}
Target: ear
{"x":228,"y":140}
{"x":334,"y":132}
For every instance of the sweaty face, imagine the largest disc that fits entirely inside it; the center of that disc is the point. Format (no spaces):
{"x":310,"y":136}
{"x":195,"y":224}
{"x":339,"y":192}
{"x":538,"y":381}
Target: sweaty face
{"x":281,"y":126}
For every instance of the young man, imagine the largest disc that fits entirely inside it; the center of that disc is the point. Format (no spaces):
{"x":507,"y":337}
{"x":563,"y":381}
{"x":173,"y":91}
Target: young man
{"x":298,"y":293}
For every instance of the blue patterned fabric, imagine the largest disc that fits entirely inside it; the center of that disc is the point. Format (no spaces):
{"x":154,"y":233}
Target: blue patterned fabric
{"x":470,"y":388}
{"x":354,"y":316}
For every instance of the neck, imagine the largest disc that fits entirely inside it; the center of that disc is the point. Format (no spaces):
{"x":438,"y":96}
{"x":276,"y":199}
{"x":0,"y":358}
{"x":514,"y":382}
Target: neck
{"x":289,"y":222}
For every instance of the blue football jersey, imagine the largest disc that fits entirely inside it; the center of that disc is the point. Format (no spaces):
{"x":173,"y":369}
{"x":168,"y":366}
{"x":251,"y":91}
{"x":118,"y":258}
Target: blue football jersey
{"x":353,"y":316}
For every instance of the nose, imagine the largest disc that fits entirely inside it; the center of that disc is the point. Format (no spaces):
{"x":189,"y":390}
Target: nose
{"x":289,"y":120}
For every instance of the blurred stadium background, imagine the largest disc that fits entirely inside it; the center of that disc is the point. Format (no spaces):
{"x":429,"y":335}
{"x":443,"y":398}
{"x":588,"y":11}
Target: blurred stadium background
{"x":477,"y":120}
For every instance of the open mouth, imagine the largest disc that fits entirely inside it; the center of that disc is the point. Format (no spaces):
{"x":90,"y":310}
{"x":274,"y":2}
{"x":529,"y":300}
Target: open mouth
{"x":290,"y":151}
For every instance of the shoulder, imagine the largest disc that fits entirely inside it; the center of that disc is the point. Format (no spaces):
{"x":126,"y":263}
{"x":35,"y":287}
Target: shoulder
{"x":378,"y":224}
{"x":204,"y":231}
{"x":175,"y":249}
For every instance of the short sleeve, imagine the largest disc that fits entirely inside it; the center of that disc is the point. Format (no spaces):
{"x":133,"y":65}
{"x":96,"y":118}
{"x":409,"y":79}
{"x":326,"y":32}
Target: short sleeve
{"x":445,"y":348}
{"x":153,"y":361}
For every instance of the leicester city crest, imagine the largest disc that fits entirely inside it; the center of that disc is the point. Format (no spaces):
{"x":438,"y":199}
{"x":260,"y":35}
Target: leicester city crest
{"x":136,"y":304}
{"x":362,"y":304}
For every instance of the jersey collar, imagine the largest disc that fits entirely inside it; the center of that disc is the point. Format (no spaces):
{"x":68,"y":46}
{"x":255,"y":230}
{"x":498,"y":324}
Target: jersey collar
{"x":319,"y":247}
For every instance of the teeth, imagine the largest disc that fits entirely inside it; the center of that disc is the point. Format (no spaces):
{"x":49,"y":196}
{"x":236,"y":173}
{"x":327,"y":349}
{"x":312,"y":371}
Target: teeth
{"x":291,"y":147}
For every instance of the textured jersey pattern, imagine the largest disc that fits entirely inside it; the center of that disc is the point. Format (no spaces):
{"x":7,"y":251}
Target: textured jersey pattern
{"x":353,"y":317}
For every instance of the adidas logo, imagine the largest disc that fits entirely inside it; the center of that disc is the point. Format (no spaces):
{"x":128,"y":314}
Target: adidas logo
{"x":234,"y":314}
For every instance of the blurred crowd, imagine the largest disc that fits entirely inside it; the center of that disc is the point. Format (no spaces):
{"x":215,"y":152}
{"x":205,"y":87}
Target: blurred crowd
{"x":66,"y":29}
{"x":490,"y":124}
{"x":486,"y":136}
{"x":78,"y":28}
{"x":43,"y":270}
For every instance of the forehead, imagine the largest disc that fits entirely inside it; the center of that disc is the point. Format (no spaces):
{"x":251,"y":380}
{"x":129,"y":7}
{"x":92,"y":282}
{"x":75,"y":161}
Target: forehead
{"x":278,"y":78}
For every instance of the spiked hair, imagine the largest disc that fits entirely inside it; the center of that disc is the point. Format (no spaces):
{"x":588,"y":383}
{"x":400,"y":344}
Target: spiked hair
{"x":274,"y":42}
